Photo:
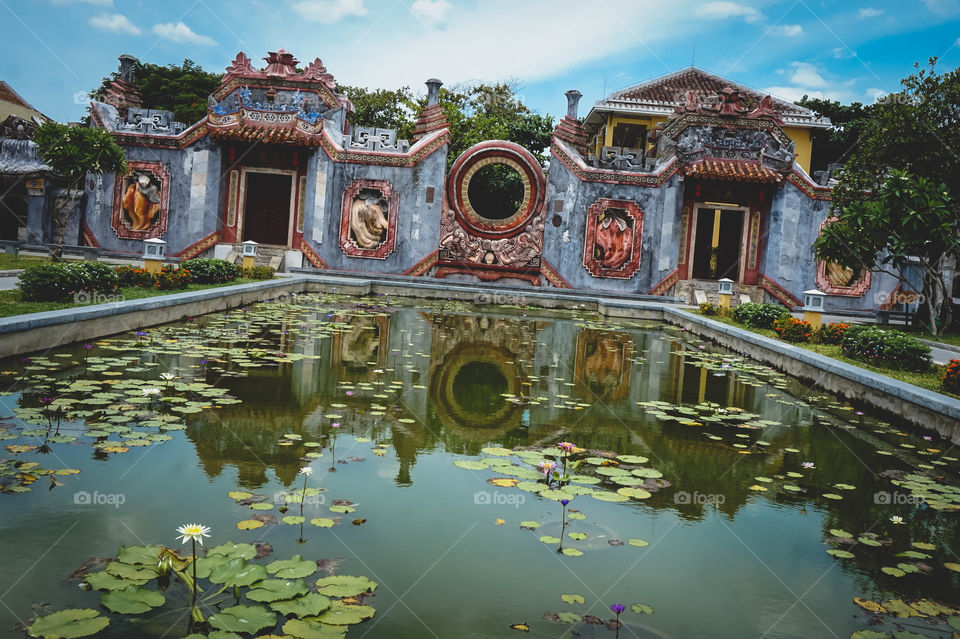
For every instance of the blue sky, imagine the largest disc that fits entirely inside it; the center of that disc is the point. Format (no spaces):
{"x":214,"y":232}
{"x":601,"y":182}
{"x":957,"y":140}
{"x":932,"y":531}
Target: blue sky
{"x":56,"y":50}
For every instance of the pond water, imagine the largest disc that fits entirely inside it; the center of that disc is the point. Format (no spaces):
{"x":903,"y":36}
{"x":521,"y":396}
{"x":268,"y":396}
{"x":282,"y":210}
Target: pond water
{"x":703,"y":486}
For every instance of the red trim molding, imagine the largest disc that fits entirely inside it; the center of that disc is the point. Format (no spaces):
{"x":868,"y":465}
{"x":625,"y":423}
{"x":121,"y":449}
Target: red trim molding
{"x":389,"y":242}
{"x":422,"y":266}
{"x":88,"y":235}
{"x":199,"y":247}
{"x":552,"y":276}
{"x":664,"y":285}
{"x":611,"y":237}
{"x":312,"y":256}
{"x":779,"y":292}
{"x":809,"y":188}
{"x":119,"y":222}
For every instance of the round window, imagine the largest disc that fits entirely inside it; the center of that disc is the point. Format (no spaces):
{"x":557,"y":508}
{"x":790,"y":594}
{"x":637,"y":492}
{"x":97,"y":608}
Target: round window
{"x":496,"y":191}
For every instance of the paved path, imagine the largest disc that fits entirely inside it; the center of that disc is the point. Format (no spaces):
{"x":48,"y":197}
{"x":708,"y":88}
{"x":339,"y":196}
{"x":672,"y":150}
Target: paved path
{"x":6,"y":283}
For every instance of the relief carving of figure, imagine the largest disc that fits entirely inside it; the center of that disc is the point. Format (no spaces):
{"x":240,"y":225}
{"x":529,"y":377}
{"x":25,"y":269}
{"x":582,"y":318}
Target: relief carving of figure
{"x":141,"y":201}
{"x":614,"y":240}
{"x":840,"y":276}
{"x":368,"y":219}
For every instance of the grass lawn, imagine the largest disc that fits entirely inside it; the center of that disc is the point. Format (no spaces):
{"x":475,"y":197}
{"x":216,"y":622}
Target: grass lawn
{"x":10,"y":262}
{"x":948,"y":338}
{"x":10,"y":303}
{"x":931,"y":380}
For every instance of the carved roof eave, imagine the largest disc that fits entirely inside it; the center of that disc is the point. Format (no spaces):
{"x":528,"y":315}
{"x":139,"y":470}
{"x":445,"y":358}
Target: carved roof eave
{"x":665,"y":109}
{"x":185,"y":138}
{"x":686,"y":120}
{"x":231,"y":82}
{"x":424,"y":147}
{"x":575,"y":163}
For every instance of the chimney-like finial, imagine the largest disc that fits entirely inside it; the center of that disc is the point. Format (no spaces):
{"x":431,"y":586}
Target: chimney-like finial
{"x":126,"y":67}
{"x":573,"y":102}
{"x":433,"y":91}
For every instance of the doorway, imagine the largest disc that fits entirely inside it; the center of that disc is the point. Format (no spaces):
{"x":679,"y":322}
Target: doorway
{"x":268,"y":204}
{"x":718,"y":243}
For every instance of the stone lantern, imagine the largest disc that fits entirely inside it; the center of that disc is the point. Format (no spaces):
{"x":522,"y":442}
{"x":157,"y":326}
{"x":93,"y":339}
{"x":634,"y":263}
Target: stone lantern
{"x":813,"y":307}
{"x":724,"y":293}
{"x":153,"y":253}
{"x":249,"y":254}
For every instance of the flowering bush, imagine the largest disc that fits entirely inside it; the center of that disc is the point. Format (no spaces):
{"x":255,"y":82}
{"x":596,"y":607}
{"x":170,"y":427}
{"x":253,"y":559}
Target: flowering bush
{"x":951,"y":378}
{"x":259,"y":273}
{"x":792,"y":329}
{"x":135,"y":276}
{"x":885,"y":348}
{"x":832,"y":333}
{"x":758,"y":315}
{"x":171,"y":277}
{"x":708,"y":309}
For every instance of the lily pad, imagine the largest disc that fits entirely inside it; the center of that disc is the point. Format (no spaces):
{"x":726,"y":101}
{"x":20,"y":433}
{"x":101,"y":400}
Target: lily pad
{"x":470,"y":464}
{"x":292,"y":568}
{"x":842,"y":554}
{"x":641,"y":609}
{"x":249,"y":524}
{"x":638,"y":542}
{"x":230,"y":549}
{"x":304,"y":629}
{"x":322,"y":522}
{"x":547,"y":539}
{"x":308,"y":605}
{"x":270,"y":590}
{"x":237,"y":572}
{"x":246,"y":619}
{"x":573,"y":599}
{"x":132,"y":600}
{"x":341,"y":614}
{"x":572,"y":552}
{"x":345,"y":586}
{"x":68,"y":624}
{"x":497,"y":451}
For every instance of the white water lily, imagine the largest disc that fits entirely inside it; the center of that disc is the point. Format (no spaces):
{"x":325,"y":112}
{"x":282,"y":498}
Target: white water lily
{"x":896,"y":519}
{"x":167,"y":376}
{"x":195,"y":532}
{"x":306,"y":470}
{"x":150,"y":391}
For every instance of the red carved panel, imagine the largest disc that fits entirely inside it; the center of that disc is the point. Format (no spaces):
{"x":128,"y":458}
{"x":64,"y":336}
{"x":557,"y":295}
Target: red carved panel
{"x":857,"y":288}
{"x":618,"y":236}
{"x":120,"y":221}
{"x":389,"y":242}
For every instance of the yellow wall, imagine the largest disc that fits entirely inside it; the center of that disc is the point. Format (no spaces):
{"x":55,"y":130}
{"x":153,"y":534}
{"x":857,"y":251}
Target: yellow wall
{"x":614,"y":120}
{"x":803,"y":138}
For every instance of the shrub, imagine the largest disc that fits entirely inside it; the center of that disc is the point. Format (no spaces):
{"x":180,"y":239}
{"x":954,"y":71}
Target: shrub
{"x":708,"y":309}
{"x":47,"y":283}
{"x":832,"y":333}
{"x":135,"y":276}
{"x":259,"y":273}
{"x":211,"y":271}
{"x":59,"y":282}
{"x":885,"y":348}
{"x":792,"y":329}
{"x":758,"y":315}
{"x":171,"y":277}
{"x":951,"y":378}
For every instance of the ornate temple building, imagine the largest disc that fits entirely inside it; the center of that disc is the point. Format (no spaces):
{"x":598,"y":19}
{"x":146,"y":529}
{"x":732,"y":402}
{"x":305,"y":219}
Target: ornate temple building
{"x":663,"y":188}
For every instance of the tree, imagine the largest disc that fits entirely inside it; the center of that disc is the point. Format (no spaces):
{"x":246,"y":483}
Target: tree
{"x":72,"y":153}
{"x":835,"y":144}
{"x":182,"y":89}
{"x":388,"y":109}
{"x":899,"y":194}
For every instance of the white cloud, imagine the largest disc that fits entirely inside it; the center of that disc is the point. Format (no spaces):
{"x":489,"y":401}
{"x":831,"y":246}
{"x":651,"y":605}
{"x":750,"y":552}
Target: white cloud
{"x":329,"y":11}
{"x":943,"y":6}
{"x":787,"y":30}
{"x":431,"y":10}
{"x":181,"y":33}
{"x":99,"y":3}
{"x":869,"y":12}
{"x":115,"y":23}
{"x":807,"y":75}
{"x":842,"y":53}
{"x":721,"y":10}
{"x":873,"y":95}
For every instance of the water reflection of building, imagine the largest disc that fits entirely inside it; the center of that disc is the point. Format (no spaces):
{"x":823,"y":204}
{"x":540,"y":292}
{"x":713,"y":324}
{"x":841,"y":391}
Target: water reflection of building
{"x":603,"y":363}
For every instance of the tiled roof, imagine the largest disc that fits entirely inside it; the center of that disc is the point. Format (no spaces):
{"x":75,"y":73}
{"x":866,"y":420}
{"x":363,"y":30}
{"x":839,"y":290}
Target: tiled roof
{"x":734,"y":170}
{"x":7,"y":94}
{"x":673,"y":88}
{"x":266,"y":134}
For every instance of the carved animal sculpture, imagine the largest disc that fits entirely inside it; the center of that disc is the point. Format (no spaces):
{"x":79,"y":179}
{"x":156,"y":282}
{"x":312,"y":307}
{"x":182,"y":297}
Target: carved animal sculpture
{"x":613,"y":242}
{"x":368,"y":223}
{"x":142,"y":203}
{"x":838,"y":275}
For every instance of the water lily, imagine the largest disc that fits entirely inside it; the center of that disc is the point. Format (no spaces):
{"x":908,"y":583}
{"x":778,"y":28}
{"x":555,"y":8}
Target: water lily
{"x":896,"y":519}
{"x":546,"y":467}
{"x":193,"y":532}
{"x":150,"y":391}
{"x":617,"y":609}
{"x":167,"y":376}
{"x":566,"y":446}
{"x":306,"y":470}
{"x":808,"y":465}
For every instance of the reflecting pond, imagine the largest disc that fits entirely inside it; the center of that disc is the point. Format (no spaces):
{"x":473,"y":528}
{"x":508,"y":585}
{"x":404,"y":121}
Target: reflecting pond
{"x":708,"y":494}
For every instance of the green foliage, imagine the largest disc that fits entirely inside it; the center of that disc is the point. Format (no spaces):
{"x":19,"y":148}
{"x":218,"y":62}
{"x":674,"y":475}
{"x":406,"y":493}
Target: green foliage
{"x":182,"y":89}
{"x":259,"y":273}
{"x":849,"y":123}
{"x":389,"y":109}
{"x":74,"y":151}
{"x":758,"y":315}
{"x":708,"y":308}
{"x":172,"y":277}
{"x":135,"y":276}
{"x":792,"y":329}
{"x":832,"y":333}
{"x":58,"y":282}
{"x":209,"y":270}
{"x":885,"y":348}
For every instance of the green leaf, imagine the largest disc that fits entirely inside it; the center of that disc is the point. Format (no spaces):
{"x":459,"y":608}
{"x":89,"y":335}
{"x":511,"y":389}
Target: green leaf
{"x":842,"y":554}
{"x":140,"y":555}
{"x":67,"y":624}
{"x":341,"y":614}
{"x":237,"y":572}
{"x":568,"y":617}
{"x":292,"y":568}
{"x":579,"y":536}
{"x":308,"y":629}
{"x":308,"y":605}
{"x":323,"y":522}
{"x":105,"y":581}
{"x":548,"y":539}
{"x":132,"y":601}
{"x":246,"y":619}
{"x":572,"y":552}
{"x":573,"y":599}
{"x":345,"y":586}
{"x":270,"y":590}
{"x":837,"y":532}
{"x":127,"y":571}
{"x":638,"y":542}
{"x":230,"y":549}
{"x":471,"y":464}
{"x":641,"y":609}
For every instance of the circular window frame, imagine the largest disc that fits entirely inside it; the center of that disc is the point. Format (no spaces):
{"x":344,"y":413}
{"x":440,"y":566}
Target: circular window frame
{"x":485,"y":154}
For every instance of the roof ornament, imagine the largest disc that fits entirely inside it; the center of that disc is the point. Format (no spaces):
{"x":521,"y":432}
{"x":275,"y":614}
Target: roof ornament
{"x":241,"y":66}
{"x":281,"y":63}
{"x":316,"y":71}
{"x":766,"y":110}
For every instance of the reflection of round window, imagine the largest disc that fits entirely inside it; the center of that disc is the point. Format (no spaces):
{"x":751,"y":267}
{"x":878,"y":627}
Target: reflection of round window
{"x":478,"y":388}
{"x":496,"y":191}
